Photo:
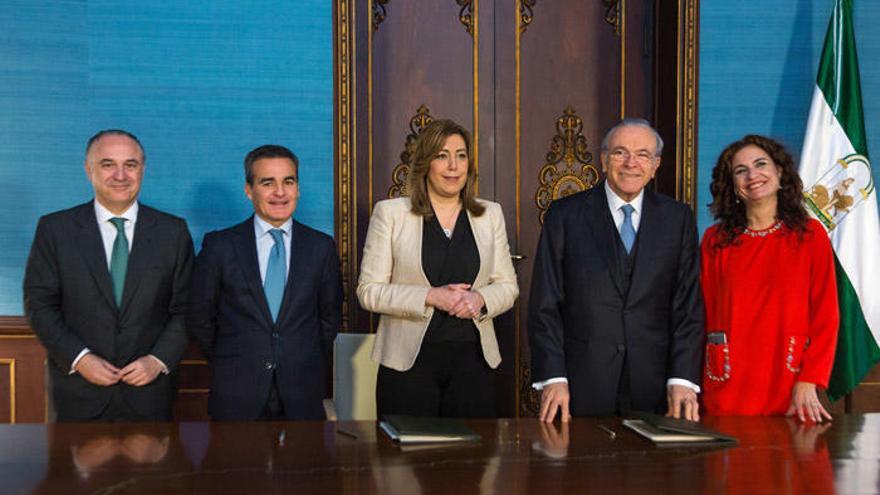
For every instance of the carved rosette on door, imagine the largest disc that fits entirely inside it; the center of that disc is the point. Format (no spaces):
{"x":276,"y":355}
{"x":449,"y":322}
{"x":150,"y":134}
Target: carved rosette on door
{"x":401,"y":171}
{"x":569,"y":165}
{"x":379,"y":13}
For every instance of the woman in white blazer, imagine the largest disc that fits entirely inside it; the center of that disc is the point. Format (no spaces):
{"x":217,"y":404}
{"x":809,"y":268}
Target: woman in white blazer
{"x":437,"y":267}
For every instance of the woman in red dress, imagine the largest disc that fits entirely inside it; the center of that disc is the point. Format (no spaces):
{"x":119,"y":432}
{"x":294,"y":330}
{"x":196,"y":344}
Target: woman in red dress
{"x":769,"y":287}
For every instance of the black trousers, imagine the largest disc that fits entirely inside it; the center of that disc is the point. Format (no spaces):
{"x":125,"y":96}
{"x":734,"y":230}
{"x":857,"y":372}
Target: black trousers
{"x":448,"y":379}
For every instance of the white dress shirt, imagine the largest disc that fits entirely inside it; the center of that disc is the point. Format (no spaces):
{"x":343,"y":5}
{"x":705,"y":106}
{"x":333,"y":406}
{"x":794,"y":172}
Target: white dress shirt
{"x":108,"y":230}
{"x":615,"y":203}
{"x":265,"y":242}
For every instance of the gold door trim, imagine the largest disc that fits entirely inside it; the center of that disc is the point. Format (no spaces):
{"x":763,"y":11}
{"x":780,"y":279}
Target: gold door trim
{"x":523,"y":17}
{"x":613,"y":15}
{"x":346,"y":227}
{"x":475,"y":33}
{"x":11,"y":363}
{"x":686,"y":111}
{"x":620,"y":30}
{"x":379,"y":12}
{"x":526,"y":13}
{"x":466,"y":15}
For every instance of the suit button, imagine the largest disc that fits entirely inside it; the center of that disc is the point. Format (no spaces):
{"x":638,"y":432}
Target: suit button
{"x":269,"y":365}
{"x":275,"y":335}
{"x":625,"y":312}
{"x":621,"y":347}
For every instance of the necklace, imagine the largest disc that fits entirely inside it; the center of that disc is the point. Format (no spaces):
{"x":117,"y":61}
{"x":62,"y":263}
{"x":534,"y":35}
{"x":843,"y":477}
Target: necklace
{"x":764,"y":232}
{"x":451,"y":217}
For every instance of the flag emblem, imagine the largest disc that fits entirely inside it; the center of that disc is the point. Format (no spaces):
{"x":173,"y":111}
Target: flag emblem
{"x":841,"y":189}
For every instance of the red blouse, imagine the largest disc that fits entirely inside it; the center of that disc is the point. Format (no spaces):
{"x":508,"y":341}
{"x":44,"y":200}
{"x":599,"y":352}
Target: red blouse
{"x":773,"y":295}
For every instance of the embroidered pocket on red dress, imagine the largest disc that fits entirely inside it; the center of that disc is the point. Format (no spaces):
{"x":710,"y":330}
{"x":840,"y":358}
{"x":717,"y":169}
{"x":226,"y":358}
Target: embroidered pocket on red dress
{"x":795,"y":346}
{"x":718,"y":361}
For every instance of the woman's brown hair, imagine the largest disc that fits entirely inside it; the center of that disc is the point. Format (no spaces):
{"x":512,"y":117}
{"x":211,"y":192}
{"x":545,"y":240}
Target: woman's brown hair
{"x":428,"y":144}
{"x":730,"y":212}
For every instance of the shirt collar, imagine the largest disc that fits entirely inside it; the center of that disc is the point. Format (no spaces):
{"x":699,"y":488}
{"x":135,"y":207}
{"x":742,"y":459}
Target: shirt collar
{"x":261,"y":227}
{"x":615,"y":201}
{"x":104,"y":215}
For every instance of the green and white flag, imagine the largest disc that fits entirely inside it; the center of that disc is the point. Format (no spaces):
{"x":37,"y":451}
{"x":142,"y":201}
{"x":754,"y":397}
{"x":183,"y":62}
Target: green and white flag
{"x":839,"y":192}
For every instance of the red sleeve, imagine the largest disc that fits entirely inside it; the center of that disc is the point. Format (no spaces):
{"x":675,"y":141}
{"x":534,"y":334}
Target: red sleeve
{"x":824,"y":316}
{"x":707,"y":278}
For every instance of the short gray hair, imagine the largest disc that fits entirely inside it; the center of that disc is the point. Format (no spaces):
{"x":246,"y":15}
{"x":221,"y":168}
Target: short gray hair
{"x":633,"y":122}
{"x":115,"y":132}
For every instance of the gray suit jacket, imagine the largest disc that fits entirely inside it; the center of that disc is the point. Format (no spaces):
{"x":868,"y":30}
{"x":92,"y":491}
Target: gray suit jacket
{"x":68,"y":299}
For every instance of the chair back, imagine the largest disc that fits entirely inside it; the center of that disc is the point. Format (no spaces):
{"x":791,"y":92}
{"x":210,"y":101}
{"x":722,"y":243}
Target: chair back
{"x":354,"y":376}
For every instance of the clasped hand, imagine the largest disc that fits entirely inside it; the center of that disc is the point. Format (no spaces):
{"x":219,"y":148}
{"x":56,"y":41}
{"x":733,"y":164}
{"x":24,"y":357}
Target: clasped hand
{"x":457,"y":300}
{"x":137,"y":373}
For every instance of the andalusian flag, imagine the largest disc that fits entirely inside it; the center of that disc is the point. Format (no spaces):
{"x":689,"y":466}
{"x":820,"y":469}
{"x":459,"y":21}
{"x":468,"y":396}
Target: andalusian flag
{"x":839,"y":191}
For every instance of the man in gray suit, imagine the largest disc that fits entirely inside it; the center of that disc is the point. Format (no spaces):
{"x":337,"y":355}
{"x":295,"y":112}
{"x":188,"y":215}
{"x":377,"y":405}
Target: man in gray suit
{"x":105,"y":292}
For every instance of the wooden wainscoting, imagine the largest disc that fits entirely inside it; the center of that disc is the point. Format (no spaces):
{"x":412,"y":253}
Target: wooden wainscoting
{"x":22,"y":374}
{"x":25,"y":399}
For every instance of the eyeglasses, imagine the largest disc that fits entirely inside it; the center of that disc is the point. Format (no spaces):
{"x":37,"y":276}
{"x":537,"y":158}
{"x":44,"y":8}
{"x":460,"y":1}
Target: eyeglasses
{"x":620,"y":155}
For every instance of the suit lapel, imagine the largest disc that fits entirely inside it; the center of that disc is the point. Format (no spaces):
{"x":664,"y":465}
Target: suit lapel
{"x":246,"y":253}
{"x":141,"y":250}
{"x":603,"y":232}
{"x":479,"y":227}
{"x":647,"y":238}
{"x":91,"y":247}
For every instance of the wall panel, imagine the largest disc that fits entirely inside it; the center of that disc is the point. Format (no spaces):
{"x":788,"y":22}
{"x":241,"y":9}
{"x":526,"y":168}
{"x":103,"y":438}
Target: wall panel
{"x":199,"y":82}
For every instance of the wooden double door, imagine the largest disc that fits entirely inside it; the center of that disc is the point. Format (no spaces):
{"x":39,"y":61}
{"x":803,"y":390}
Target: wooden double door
{"x":538,"y":82}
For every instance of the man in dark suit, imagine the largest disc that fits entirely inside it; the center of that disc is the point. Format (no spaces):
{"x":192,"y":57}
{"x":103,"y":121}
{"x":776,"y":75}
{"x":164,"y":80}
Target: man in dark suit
{"x":616,"y":313}
{"x":105,"y":290}
{"x":266,"y":302}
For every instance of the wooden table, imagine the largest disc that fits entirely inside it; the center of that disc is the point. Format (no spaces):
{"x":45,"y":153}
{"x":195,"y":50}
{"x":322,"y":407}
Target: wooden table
{"x":775,"y":456}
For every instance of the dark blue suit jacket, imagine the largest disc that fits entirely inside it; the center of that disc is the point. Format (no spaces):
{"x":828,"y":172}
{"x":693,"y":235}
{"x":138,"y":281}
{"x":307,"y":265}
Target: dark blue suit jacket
{"x":585,"y":326}
{"x":229,"y":318}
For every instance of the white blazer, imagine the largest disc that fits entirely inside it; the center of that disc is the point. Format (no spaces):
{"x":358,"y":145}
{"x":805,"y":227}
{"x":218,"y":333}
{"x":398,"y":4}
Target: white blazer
{"x":393,"y":283}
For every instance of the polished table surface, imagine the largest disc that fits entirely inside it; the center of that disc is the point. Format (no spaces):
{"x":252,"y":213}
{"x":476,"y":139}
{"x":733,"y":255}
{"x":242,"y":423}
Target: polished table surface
{"x":775,"y":455}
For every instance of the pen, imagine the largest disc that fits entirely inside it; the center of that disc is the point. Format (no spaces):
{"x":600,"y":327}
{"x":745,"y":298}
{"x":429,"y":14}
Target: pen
{"x":347,"y":433}
{"x":611,"y":433}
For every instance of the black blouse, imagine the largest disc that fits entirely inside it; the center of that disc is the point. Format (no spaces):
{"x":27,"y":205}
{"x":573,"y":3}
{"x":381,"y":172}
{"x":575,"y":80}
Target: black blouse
{"x":454,"y":260}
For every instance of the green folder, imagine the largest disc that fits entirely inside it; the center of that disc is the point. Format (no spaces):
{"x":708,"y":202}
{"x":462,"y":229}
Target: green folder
{"x":668,"y":432}
{"x":416,"y":429}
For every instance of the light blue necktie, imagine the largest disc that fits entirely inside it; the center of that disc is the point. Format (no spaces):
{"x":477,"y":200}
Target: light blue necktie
{"x":627,"y":232}
{"x":276,"y":273}
{"x":119,"y":259}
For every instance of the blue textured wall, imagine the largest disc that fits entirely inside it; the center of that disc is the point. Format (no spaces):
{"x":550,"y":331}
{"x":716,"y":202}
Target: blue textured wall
{"x":758,"y":63}
{"x":200,"y":83}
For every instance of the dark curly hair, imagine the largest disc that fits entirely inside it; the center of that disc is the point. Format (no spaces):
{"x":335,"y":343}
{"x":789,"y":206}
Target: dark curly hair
{"x":731,"y":213}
